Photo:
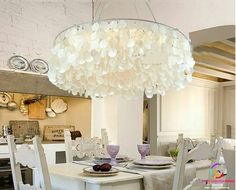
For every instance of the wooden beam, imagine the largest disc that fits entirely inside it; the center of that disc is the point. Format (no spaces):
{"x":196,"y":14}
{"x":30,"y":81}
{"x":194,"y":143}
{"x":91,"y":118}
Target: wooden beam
{"x":214,"y":73}
{"x":223,"y":46}
{"x":217,"y":66}
{"x":29,"y":83}
{"x":228,"y":42}
{"x":214,"y":58}
{"x":215,"y":51}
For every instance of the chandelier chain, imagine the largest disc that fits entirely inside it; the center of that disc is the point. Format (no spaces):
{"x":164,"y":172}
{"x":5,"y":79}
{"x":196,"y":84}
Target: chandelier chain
{"x":103,"y":7}
{"x":150,"y":9}
{"x":135,"y":7}
{"x":93,"y":13}
{"x":97,"y":8}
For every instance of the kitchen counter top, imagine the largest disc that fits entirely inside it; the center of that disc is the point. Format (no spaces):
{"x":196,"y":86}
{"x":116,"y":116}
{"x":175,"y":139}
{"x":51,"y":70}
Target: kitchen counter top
{"x":43,"y":142}
{"x":50,"y":149}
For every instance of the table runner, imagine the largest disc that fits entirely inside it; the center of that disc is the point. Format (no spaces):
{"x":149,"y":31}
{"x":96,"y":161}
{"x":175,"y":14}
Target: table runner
{"x":157,"y":179}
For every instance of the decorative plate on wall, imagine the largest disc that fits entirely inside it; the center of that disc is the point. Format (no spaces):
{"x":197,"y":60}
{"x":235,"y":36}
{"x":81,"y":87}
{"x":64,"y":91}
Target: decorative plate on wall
{"x":39,"y":66}
{"x":18,"y":63}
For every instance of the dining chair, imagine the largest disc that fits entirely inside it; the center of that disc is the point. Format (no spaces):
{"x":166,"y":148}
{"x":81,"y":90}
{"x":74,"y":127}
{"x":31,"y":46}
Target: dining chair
{"x":83,"y":148}
{"x":229,"y":157}
{"x":32,"y":158}
{"x":202,"y":151}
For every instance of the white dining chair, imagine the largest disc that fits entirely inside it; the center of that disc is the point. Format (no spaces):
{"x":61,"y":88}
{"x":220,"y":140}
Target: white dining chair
{"x":202,"y":151}
{"x":83,"y":148}
{"x":229,"y":158}
{"x":32,"y":158}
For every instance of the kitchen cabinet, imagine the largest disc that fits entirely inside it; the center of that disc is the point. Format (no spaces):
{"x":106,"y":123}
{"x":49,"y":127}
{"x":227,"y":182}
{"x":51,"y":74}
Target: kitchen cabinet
{"x":50,"y":150}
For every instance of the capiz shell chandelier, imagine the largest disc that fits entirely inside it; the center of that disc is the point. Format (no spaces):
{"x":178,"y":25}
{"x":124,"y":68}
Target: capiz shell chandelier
{"x":121,"y":57}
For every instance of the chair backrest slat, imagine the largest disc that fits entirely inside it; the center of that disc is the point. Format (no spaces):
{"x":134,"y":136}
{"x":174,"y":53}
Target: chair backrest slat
{"x":82,"y":147}
{"x":180,"y":165}
{"x":202,"y":151}
{"x":21,"y":158}
{"x":16,"y":172}
{"x":31,"y":158}
{"x":68,"y":146}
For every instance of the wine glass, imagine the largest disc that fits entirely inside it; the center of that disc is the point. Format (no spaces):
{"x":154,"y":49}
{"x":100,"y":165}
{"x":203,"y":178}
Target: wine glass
{"x":143,"y":149}
{"x":113,"y":150}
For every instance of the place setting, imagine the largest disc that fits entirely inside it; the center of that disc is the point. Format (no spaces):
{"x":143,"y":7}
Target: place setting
{"x":102,"y":170}
{"x":148,"y":163}
{"x":104,"y":164}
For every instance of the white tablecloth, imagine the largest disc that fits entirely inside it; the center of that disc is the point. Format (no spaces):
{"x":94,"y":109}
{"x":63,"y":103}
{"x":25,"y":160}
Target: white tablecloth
{"x":162,"y":179}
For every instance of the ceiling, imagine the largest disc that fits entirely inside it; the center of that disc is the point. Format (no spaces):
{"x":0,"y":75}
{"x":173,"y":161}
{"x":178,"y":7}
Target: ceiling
{"x":215,"y":60}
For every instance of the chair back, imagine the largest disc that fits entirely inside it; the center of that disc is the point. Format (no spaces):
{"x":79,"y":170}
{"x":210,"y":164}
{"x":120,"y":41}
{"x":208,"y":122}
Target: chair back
{"x":202,"y":151}
{"x":82,"y":147}
{"x":229,"y":157}
{"x":34,"y":159}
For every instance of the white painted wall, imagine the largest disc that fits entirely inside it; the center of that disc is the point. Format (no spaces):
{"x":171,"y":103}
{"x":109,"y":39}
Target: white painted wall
{"x":229,"y":109}
{"x":28,"y":27}
{"x":123,"y":120}
{"x":192,"y":111}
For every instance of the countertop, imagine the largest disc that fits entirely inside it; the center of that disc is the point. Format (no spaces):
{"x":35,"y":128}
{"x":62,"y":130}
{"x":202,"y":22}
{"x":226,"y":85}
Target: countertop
{"x":43,"y":142}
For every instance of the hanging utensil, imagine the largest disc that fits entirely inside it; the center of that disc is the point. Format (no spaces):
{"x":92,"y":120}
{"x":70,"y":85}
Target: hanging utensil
{"x":12,"y":105}
{"x":50,"y":112}
{"x":5,"y":98}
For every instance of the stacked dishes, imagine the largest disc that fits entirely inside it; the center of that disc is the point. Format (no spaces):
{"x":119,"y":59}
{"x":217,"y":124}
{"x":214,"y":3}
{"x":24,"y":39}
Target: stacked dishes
{"x":153,"y":164}
{"x":107,"y":159}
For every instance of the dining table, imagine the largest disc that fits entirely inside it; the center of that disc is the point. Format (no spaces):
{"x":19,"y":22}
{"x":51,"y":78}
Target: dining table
{"x":71,"y":176}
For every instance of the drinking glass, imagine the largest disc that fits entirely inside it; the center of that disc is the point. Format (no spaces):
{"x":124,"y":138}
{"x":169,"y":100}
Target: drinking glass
{"x":143,"y":149}
{"x":113,"y":150}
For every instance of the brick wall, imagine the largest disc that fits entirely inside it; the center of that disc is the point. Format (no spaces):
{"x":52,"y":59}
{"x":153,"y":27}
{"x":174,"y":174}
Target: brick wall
{"x":28,"y":27}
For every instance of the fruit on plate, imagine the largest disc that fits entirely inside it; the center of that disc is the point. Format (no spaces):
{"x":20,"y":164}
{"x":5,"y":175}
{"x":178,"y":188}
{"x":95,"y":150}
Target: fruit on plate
{"x":96,"y":167}
{"x":104,"y":167}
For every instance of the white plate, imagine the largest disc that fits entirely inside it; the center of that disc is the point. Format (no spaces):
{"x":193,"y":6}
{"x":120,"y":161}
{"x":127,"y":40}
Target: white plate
{"x":107,"y":157}
{"x":91,"y":172}
{"x":59,"y":106}
{"x":153,"y":162}
{"x":152,"y":167}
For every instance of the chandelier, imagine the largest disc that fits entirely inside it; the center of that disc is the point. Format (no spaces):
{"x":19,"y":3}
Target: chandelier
{"x":126,"y":57}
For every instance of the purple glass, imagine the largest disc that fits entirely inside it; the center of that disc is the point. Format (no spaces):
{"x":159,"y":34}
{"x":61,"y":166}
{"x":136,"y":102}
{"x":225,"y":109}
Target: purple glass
{"x":113,"y":150}
{"x":143,"y":149}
